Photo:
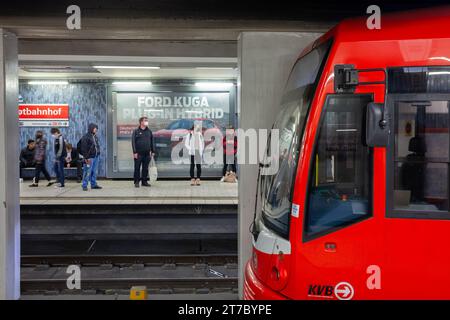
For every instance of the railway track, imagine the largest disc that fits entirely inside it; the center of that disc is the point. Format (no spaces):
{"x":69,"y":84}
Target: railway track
{"x":161,"y":274}
{"x":123,"y":259}
{"x":168,"y":249}
{"x":121,"y":286}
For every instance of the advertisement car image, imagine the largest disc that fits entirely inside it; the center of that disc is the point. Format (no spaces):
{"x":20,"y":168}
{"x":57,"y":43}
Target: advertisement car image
{"x":179,"y":128}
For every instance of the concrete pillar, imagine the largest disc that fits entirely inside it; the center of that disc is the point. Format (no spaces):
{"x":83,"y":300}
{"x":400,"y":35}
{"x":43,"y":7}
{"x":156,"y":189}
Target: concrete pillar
{"x":9,"y":169}
{"x":265,"y":60}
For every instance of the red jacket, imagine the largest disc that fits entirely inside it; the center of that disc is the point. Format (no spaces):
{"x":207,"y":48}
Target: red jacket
{"x":230,"y":150}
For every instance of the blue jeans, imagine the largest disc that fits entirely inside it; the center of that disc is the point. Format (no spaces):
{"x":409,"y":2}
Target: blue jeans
{"x":90,"y":173}
{"x":59,"y":170}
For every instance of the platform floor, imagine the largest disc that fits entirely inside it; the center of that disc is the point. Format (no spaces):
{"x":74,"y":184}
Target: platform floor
{"x":124,"y":192}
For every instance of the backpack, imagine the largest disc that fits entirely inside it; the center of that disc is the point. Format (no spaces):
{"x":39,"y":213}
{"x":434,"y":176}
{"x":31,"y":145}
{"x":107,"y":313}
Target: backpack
{"x":64,"y":145}
{"x":230,"y":177}
{"x":79,"y":146}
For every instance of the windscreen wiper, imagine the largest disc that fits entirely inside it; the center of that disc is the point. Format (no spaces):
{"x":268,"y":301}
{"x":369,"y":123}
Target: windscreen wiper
{"x":253,"y":229}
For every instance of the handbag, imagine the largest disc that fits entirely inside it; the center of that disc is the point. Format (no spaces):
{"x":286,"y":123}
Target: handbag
{"x":153,"y":174}
{"x":230,"y":177}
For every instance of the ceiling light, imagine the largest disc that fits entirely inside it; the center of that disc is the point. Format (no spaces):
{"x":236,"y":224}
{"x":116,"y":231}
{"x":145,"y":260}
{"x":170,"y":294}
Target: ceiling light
{"x":435,"y":73}
{"x":126,"y":67}
{"x":214,"y":68}
{"x":132,"y":82}
{"x":51,"y":69}
{"x":214,"y":84}
{"x":43,"y":82}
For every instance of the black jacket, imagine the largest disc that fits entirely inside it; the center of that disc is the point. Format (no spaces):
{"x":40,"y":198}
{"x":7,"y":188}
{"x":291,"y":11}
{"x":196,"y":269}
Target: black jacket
{"x":89,"y":146}
{"x":27,"y":156}
{"x":142,"y":141}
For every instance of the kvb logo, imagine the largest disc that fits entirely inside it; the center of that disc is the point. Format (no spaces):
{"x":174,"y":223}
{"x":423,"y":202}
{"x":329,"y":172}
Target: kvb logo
{"x":320,"y":291}
{"x":344,"y":291}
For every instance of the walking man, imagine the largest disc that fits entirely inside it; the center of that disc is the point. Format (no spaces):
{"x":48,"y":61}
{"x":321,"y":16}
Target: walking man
{"x":60,"y":155}
{"x":90,"y":150}
{"x":143,"y":150}
{"x":39,"y":158}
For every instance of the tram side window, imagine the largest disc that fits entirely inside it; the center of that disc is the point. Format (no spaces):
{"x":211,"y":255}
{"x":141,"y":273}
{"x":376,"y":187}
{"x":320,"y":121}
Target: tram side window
{"x":421,"y":156}
{"x":340,"y":179}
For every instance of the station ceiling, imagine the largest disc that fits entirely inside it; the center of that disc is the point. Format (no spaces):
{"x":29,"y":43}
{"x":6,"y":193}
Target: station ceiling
{"x":184,"y":20}
{"x":127,"y":59}
{"x":189,"y":39}
{"x":126,"y":67}
{"x":318,"y":10}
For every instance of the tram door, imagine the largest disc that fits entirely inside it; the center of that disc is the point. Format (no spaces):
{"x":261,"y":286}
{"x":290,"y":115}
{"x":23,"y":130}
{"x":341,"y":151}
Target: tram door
{"x":339,"y":236}
{"x":416,"y":229}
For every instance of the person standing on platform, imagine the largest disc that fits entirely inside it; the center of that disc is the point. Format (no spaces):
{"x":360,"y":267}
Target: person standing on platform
{"x":60,"y":155}
{"x":229,"y":152}
{"x":143,"y":149}
{"x":195,"y":145}
{"x":90,"y":150}
{"x":39,"y":159}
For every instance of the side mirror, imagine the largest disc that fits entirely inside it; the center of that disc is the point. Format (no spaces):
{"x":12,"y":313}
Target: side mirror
{"x":377,"y":125}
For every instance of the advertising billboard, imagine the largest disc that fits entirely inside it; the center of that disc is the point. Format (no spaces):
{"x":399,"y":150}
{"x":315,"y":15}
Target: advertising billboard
{"x":166,"y":112}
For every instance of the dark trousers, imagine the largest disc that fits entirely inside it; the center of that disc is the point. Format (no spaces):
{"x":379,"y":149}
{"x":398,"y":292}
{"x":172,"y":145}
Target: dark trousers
{"x":229,"y":163}
{"x":40,"y":167}
{"x":24,"y":165}
{"x":59,"y":170}
{"x":76,"y":164}
{"x":193,"y":165}
{"x":142,"y":160}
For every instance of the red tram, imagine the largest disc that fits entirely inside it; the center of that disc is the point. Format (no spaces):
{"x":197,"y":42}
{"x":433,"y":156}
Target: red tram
{"x":359,"y":207}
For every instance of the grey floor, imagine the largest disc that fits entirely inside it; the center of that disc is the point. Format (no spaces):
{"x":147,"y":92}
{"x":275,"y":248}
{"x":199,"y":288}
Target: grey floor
{"x":124,"y":192}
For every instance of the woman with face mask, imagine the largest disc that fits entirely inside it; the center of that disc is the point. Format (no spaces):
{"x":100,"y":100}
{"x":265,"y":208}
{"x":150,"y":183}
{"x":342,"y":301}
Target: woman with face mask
{"x":143,"y":150}
{"x":195,"y":145}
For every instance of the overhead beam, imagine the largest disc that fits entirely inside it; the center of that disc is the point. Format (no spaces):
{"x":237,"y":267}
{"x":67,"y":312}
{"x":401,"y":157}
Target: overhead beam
{"x":30,"y":59}
{"x":151,"y":29}
{"x":148,"y":48}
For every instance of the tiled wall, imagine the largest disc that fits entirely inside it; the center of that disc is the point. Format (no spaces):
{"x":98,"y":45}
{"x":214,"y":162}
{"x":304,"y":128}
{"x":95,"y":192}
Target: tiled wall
{"x":87,"y":103}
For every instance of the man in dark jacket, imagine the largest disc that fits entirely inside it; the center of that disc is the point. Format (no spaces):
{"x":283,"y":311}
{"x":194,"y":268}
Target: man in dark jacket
{"x":73,"y":160}
{"x":90,"y":150}
{"x":27,"y":156}
{"x":143,"y":150}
